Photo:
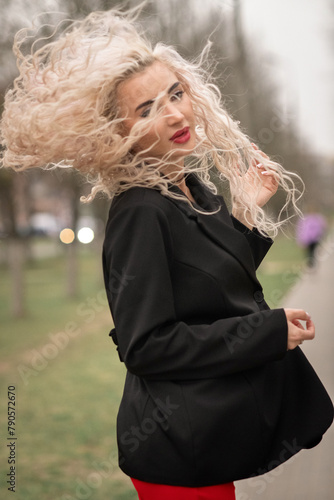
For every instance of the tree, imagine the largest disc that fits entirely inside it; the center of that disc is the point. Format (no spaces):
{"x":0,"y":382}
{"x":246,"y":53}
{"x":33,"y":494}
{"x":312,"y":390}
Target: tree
{"x":14,"y":205}
{"x":241,"y":72}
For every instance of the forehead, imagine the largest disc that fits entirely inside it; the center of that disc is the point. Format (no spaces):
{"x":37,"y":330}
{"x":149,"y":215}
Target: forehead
{"x":146,"y":85}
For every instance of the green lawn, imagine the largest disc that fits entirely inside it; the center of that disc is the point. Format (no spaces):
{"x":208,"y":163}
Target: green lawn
{"x":281,"y":270}
{"x":69,"y":380}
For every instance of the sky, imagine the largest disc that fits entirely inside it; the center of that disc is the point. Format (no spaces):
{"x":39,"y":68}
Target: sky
{"x":299,"y":35}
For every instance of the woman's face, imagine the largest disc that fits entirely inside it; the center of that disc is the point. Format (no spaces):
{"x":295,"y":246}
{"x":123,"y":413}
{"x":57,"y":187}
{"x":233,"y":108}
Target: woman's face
{"x":173,"y":129}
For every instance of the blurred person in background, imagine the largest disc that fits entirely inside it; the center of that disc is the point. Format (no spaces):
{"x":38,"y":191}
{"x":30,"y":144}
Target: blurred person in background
{"x":311,"y":229}
{"x":217,"y":388}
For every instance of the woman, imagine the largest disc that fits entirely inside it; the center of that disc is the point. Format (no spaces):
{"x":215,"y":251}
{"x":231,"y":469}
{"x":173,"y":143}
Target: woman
{"x":217,"y":388}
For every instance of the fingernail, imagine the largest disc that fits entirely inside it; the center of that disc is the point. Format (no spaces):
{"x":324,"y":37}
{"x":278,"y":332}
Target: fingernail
{"x":259,"y":165}
{"x":266,"y":173}
{"x":309,"y":316}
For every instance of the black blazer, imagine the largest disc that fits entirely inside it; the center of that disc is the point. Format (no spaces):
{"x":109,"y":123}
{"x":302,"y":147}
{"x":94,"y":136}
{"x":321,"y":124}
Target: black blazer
{"x":211,"y":393}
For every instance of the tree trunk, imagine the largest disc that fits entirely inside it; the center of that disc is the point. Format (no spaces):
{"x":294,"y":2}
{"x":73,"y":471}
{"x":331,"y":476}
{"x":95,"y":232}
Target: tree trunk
{"x":16,"y":260}
{"x":72,"y":269}
{"x":73,"y":187}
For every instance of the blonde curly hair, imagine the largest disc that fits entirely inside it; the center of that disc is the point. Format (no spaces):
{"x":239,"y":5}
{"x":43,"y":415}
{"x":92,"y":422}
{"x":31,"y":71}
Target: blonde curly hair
{"x":63,"y":112}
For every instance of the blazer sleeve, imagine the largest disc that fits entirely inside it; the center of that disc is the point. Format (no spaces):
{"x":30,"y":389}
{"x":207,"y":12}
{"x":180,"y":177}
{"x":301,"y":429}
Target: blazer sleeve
{"x":258,"y":243}
{"x":153,"y":343}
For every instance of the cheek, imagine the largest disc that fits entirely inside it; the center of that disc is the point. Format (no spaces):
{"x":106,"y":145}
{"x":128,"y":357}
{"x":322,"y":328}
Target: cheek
{"x":188,"y":108}
{"x":191,"y":114}
{"x":147,"y":141}
{"x":153,"y":137}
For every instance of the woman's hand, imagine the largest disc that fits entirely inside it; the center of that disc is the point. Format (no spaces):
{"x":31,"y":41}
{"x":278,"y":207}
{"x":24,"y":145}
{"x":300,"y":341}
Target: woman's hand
{"x":296,"y":332}
{"x":256,"y":179}
{"x":268,"y":180}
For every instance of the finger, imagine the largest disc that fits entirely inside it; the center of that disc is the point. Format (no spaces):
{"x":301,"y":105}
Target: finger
{"x":237,"y":168}
{"x":259,"y":168}
{"x":306,"y":334}
{"x":256,"y":163}
{"x":263,"y":154}
{"x":259,"y":150}
{"x":273,"y":175}
{"x":270,"y":175}
{"x":297,"y":323}
{"x":294,"y":344}
{"x":310,"y":328}
{"x":300,"y":314}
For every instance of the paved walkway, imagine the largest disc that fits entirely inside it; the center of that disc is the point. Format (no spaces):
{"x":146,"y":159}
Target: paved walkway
{"x":310,"y":474}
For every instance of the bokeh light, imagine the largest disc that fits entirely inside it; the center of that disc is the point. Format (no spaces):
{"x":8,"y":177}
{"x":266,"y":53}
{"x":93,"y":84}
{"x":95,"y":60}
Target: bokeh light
{"x":85,"y":235}
{"x":67,"y":236}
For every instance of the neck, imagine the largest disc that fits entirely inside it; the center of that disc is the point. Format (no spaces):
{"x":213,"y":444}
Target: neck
{"x":176,"y":174}
{"x":175,"y":171}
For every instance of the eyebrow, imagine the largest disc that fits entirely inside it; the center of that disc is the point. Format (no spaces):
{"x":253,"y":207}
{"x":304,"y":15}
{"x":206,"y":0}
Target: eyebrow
{"x":151,"y":101}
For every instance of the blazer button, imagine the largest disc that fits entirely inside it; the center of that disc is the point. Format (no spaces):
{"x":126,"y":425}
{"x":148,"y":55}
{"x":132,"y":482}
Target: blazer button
{"x":258,"y":296}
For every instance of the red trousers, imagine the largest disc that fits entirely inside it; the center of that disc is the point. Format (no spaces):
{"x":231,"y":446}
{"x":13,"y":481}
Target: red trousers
{"x":150,"y":491}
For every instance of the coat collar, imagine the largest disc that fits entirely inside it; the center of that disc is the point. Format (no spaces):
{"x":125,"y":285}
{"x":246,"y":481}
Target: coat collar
{"x":218,"y":226}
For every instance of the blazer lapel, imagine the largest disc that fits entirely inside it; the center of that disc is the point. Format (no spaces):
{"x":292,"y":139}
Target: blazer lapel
{"x":218,"y":227}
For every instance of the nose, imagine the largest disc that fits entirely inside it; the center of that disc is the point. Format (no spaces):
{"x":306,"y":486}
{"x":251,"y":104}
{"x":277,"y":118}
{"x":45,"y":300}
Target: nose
{"x":173,"y":114}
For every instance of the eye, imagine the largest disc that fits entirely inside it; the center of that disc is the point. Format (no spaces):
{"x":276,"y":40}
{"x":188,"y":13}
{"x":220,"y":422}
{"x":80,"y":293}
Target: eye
{"x":145,"y":113}
{"x":177,"y":96}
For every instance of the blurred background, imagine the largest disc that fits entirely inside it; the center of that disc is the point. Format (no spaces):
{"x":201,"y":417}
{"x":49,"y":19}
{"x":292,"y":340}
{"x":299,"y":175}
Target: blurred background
{"x":274,"y":65}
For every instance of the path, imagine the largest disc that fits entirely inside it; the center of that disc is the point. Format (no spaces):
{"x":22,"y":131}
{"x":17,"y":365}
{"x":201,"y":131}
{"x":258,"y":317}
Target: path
{"x":310,"y":474}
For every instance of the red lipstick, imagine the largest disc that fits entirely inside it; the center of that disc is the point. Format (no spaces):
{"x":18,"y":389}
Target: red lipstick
{"x":181,"y":136}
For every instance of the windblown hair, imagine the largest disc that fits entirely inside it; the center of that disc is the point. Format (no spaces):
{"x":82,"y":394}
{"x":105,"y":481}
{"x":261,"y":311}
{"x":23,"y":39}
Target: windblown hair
{"x":63,"y":112}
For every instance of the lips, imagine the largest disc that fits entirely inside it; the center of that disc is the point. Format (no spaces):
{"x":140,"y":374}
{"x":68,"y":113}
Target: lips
{"x":181,"y":136}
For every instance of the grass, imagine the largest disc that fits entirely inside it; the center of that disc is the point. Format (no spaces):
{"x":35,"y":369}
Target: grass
{"x":281,"y":270}
{"x":69,"y":380}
